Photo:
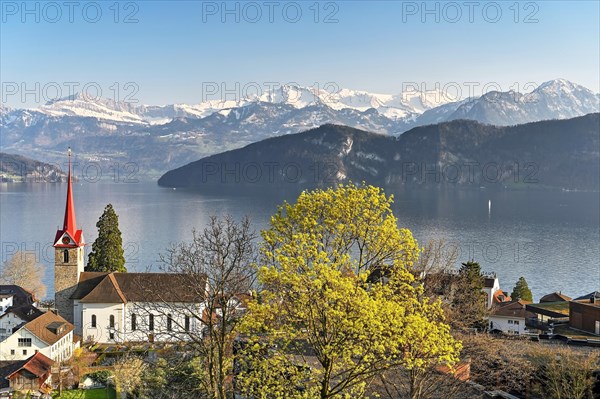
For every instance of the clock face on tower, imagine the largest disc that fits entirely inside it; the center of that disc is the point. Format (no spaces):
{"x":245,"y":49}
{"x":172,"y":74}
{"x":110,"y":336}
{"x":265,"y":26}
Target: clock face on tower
{"x":66,"y":240}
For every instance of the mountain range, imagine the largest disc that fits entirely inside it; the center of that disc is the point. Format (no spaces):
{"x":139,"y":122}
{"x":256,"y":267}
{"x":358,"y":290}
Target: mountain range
{"x":158,"y":138}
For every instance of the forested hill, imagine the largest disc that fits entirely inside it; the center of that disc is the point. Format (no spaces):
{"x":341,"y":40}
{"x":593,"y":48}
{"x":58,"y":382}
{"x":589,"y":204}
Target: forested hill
{"x":548,"y":154}
{"x":17,"y":168}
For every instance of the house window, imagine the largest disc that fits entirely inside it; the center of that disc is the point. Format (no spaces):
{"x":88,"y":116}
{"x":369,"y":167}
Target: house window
{"x":151,"y":322}
{"x":517,"y":322}
{"x":510,"y":322}
{"x":169,"y":322}
{"x":24,"y":342}
{"x":12,"y":351}
{"x":66,"y":256}
{"x":93,"y":321}
{"x":111,"y":335}
{"x":187,"y":323}
{"x":133,"y":323}
{"x":24,"y":352}
{"x":111,"y":321}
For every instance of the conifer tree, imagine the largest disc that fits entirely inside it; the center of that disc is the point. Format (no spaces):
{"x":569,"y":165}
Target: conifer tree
{"x":107,"y":250}
{"x":468,"y":303}
{"x":522,"y":291}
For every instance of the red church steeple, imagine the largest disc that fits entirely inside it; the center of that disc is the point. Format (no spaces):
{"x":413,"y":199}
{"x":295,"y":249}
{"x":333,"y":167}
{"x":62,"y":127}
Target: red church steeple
{"x":69,"y":236}
{"x":70,"y":225}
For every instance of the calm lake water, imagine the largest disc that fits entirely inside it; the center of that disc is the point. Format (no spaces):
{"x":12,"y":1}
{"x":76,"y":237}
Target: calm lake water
{"x":551,"y":238}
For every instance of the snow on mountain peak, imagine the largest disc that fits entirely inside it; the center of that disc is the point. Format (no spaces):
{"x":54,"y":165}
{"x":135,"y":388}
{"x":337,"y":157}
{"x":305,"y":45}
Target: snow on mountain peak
{"x":556,"y":98}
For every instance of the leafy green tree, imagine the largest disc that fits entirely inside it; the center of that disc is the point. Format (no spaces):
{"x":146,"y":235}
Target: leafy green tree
{"x":339,"y":303}
{"x":107,"y":250}
{"x":522,"y":291}
{"x":469,"y":306}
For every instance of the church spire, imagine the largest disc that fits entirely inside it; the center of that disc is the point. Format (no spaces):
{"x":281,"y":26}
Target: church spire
{"x":69,"y":236}
{"x":70,"y":223}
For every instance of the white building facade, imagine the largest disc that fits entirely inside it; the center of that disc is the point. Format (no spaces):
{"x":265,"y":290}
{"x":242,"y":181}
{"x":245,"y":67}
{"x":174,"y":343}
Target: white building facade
{"x":510,"y":318}
{"x":49,"y":334}
{"x":138,"y":307}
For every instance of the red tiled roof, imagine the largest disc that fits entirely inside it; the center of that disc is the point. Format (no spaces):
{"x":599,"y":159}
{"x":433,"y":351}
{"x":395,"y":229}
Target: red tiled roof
{"x":501,"y":297}
{"x":49,"y":327}
{"x":38,"y":365}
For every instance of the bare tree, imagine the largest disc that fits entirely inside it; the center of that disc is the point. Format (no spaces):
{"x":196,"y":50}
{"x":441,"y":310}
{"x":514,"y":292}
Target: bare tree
{"x":430,"y":383}
{"x":22,"y":269}
{"x":436,"y":267}
{"x":219,"y":265}
{"x":437,"y":256}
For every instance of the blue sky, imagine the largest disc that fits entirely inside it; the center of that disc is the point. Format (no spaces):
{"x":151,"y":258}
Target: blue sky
{"x":176,"y":48}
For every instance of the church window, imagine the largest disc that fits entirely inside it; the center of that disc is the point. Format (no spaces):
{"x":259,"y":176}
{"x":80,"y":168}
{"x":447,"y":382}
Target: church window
{"x":93,"y":321}
{"x":133,"y":322}
{"x":66,"y":256}
{"x":169,"y":322}
{"x":151,"y":322}
{"x":111,"y":321}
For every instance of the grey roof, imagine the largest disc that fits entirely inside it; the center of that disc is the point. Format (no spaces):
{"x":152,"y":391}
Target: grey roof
{"x":21,"y":296}
{"x":595,"y":295}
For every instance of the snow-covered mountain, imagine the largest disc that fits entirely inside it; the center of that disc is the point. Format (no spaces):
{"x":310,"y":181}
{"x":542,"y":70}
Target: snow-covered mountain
{"x":160,"y":137}
{"x":391,"y":106}
{"x":555,"y":99}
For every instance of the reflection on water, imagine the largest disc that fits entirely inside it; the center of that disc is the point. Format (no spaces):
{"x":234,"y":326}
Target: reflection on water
{"x":549,"y":237}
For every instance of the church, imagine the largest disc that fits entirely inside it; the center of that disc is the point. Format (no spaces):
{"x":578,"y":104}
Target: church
{"x":122,"y":307}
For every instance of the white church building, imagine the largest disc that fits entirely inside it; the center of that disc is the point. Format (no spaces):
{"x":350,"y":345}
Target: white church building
{"x":122,"y":307}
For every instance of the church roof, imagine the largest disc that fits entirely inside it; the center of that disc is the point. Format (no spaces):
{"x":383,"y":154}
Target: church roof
{"x":139,"y":287}
{"x":87,"y":282}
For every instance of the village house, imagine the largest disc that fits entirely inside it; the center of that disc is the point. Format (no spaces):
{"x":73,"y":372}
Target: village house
{"x":584,"y":313}
{"x":15,"y":296}
{"x":31,"y":375}
{"x":47,"y":333}
{"x":17,"y":306}
{"x":510,"y":317}
{"x":493,"y":294}
{"x":552,"y":309}
{"x":15,"y":317}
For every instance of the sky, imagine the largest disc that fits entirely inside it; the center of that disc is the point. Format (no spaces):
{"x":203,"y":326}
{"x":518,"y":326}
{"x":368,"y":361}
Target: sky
{"x":159,"y":52}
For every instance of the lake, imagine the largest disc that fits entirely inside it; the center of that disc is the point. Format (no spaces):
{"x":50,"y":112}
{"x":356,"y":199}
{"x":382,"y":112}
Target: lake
{"x":552,"y":238}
